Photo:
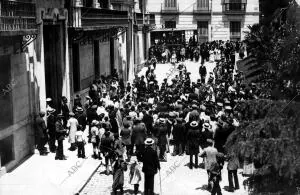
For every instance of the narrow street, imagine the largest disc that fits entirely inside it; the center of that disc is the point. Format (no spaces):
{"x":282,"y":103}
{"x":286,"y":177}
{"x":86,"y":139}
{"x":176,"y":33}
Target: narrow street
{"x":176,"y":177}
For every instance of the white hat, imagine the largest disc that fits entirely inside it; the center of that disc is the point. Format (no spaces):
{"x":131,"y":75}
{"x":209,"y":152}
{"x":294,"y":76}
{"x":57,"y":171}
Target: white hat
{"x":228,"y":108}
{"x":149,"y":141}
{"x":50,"y":110}
{"x":162,"y":120}
{"x":206,"y":125}
{"x":48,"y":100}
{"x":194,"y":124}
{"x":95,"y":122}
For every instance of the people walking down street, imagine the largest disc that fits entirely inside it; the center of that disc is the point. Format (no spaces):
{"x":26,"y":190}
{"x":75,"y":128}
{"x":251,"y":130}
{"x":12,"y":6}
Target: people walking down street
{"x":72,"y":125}
{"x":80,"y":142}
{"x":60,"y":136}
{"x":138,"y":137}
{"x":232,"y":167}
{"x":107,"y":149}
{"x":95,"y":138}
{"x":210,"y":155}
{"x":179,"y":133}
{"x":135,"y":174}
{"x":193,"y":137}
{"x":51,"y":119}
{"x":202,"y":72}
{"x":161,"y":134}
{"x":81,"y":117}
{"x":126,"y":139}
{"x":41,"y":134}
{"x":215,"y":178}
{"x":119,"y":167}
{"x":151,"y":166}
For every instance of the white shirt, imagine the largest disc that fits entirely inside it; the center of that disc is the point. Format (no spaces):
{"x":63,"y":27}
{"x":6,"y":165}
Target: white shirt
{"x":79,"y":136}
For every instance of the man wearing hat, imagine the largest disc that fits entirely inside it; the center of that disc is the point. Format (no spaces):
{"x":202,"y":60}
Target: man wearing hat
{"x":179,"y":133}
{"x":60,"y":136}
{"x":138,"y":137}
{"x":193,"y":137}
{"x":51,"y":129}
{"x":41,"y":134}
{"x":65,"y":110}
{"x":150,"y":166}
{"x":162,"y":130}
{"x":81,"y":117}
{"x":210,"y":154}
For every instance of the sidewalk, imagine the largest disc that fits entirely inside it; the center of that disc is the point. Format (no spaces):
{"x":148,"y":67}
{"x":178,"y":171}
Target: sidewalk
{"x":45,"y":175}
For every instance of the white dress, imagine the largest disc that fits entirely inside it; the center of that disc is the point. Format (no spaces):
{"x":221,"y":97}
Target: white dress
{"x":211,"y":56}
{"x":72,"y":124}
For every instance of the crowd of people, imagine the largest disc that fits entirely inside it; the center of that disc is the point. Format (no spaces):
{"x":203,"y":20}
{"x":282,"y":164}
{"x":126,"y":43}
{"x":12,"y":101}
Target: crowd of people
{"x":135,"y":124}
{"x":209,"y":51}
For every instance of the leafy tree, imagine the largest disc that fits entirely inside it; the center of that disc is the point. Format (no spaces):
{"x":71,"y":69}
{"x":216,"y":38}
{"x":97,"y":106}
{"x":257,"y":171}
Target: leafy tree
{"x":270,"y":138}
{"x":276,"y":47}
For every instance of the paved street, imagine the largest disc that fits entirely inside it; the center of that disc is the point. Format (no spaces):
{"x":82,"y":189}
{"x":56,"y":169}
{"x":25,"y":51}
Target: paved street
{"x":176,"y":177}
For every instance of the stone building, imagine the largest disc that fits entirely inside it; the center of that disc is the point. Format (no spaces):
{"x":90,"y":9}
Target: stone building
{"x":18,"y":84}
{"x":204,"y":20}
{"x":57,"y":48}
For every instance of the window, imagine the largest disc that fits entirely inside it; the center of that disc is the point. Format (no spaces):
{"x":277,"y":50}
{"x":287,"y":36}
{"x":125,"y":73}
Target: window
{"x":203,"y":4}
{"x":202,"y":28}
{"x":170,"y":3}
{"x":235,"y":5}
{"x":235,"y":30}
{"x":170,"y":24}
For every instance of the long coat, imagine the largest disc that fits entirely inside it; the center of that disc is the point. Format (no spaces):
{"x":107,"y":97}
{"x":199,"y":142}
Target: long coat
{"x":150,"y":161}
{"x":162,"y":131}
{"x":193,"y":137}
{"x":138,"y":134}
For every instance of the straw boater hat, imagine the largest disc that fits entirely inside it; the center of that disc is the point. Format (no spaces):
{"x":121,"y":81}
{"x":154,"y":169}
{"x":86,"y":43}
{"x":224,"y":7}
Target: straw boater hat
{"x":71,"y":114}
{"x":194,"y":124}
{"x":206,"y":125}
{"x":94,"y":122}
{"x":94,"y":107}
{"x":48,"y":100}
{"x":149,"y":141}
{"x":79,"y":109}
{"x":51,"y":110}
{"x":220,"y":104}
{"x":228,"y":108}
{"x":162,"y":120}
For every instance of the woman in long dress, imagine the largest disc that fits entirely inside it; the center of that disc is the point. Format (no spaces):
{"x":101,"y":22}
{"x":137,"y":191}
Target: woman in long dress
{"x":72,"y":124}
{"x":211,"y":56}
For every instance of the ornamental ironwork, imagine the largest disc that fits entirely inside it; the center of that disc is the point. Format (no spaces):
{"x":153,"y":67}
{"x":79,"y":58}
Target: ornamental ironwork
{"x":27,"y":39}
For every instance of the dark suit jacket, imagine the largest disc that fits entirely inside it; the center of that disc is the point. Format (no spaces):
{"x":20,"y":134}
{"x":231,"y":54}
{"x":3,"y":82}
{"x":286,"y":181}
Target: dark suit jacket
{"x":139,"y":134}
{"x":150,"y":161}
{"x":40,"y":127}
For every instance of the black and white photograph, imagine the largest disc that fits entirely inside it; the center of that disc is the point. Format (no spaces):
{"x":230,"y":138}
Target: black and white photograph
{"x":149,"y":97}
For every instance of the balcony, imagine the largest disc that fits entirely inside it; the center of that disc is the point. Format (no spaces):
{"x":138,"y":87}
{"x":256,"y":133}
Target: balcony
{"x":88,"y":18}
{"x":169,"y":8}
{"x":234,"y":8}
{"x":17,"y":18}
{"x":201,"y":10}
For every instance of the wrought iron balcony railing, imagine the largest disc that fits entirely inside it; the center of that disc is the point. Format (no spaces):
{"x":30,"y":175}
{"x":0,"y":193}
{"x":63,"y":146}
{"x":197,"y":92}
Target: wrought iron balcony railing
{"x":17,"y":16}
{"x":201,"y":10}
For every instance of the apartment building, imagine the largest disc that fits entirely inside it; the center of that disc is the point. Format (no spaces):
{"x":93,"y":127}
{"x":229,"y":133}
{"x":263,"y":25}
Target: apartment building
{"x":203,"y":20}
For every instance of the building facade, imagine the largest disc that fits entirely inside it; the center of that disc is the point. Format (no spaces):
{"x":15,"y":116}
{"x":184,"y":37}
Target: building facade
{"x":19,"y":86}
{"x":203,"y":20}
{"x":57,"y":48}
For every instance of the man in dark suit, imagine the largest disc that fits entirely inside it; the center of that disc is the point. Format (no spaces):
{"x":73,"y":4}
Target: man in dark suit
{"x":138,"y":137}
{"x":60,"y":136}
{"x":150,"y":166}
{"x":41,"y":131}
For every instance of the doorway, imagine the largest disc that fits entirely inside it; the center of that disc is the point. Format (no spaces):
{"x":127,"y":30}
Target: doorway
{"x":53,"y":63}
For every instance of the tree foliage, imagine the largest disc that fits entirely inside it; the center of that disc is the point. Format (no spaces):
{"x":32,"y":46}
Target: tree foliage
{"x":276,"y":47}
{"x":270,"y":138}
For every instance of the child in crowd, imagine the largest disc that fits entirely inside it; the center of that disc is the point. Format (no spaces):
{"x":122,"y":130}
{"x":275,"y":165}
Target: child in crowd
{"x":80,"y":142}
{"x":135,"y":175}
